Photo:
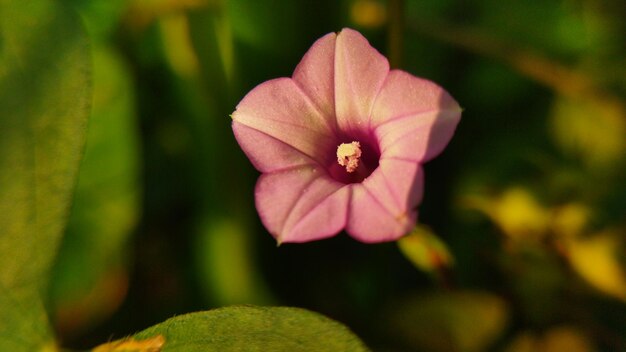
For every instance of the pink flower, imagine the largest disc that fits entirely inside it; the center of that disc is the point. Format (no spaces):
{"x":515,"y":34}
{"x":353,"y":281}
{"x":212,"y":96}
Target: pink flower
{"x":341,"y":143}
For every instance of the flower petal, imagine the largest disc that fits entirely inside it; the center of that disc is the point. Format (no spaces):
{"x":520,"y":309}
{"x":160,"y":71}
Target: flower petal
{"x":404,"y":94}
{"x":414,"y":118}
{"x":303,"y":204}
{"x":318,"y":215}
{"x":281,"y":110}
{"x":419,"y":137}
{"x":360,"y":71}
{"x":382,"y":208}
{"x":398,"y":185}
{"x":370,"y":222}
{"x":315,"y":75}
{"x":267,"y":153}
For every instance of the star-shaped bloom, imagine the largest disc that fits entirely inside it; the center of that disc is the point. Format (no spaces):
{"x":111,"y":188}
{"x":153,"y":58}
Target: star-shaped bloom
{"x":341,"y":143}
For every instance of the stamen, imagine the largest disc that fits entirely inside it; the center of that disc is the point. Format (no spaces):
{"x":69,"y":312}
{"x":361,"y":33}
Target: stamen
{"x":348,"y":155}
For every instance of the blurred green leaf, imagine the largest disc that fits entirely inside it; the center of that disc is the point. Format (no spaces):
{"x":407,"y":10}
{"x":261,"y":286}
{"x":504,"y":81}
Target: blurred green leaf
{"x":270,"y":37}
{"x":211,"y":35}
{"x":554,"y":27}
{"x":44,"y":105}
{"x":92,"y":256}
{"x":101,"y":16}
{"x":256,"y":23}
{"x":226,"y":264}
{"x":198,"y":46}
{"x":248,"y":328}
{"x":537,"y":280}
{"x":449,"y":321}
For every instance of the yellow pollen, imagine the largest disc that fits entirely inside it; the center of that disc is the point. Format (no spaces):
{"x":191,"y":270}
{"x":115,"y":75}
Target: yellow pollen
{"x":348,"y":155}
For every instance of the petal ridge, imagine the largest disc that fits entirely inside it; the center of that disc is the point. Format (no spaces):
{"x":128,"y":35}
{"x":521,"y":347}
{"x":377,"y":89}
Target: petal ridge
{"x":293,"y":207}
{"x":371,"y":112}
{"x":315,"y":74}
{"x":420,"y":138}
{"x":300,"y":199}
{"x":278,"y":88}
{"x":360,"y":72}
{"x":279,"y":108}
{"x":273,"y":220}
{"x":404,"y":93}
{"x":253,"y":155}
{"x":399,"y":158}
{"x":320,"y":203}
{"x":377,"y":201}
{"x":332,"y":128}
{"x":274,"y":120}
{"x":283,"y":142}
{"x":370,"y":222}
{"x":418,"y":179}
{"x":406,"y":115}
{"x":391,"y":189}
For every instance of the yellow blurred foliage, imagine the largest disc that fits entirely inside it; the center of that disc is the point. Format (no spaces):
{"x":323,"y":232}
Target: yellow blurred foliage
{"x":425,"y":250}
{"x":463,"y":321}
{"x":560,"y":339}
{"x":368,"y":13}
{"x":177,"y":45}
{"x":590,"y":128}
{"x":516,"y":211}
{"x":595,"y":259}
{"x":141,"y":13}
{"x":593,"y":256}
{"x":570,"y":219}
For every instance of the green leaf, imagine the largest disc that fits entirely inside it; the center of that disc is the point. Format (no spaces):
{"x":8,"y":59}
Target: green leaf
{"x":101,"y":16}
{"x":247,"y":328}
{"x":44,"y":105}
{"x":23,"y":322}
{"x":90,"y":277}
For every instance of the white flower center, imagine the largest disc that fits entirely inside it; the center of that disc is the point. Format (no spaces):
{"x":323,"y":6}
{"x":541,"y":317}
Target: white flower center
{"x":348,"y":155}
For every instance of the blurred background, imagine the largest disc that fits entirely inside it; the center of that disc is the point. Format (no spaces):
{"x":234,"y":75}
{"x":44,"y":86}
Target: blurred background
{"x":521,"y":245}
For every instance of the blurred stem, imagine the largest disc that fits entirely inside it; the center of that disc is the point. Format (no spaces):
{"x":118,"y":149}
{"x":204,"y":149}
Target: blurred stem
{"x":395,"y":32}
{"x":565,"y":80}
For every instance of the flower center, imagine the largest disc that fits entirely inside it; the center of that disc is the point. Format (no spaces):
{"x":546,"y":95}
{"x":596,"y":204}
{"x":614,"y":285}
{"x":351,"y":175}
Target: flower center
{"x":354,"y":161}
{"x":348,"y":155}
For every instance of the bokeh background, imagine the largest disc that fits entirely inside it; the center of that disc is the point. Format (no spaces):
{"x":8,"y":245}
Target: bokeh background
{"x":521,"y":243}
